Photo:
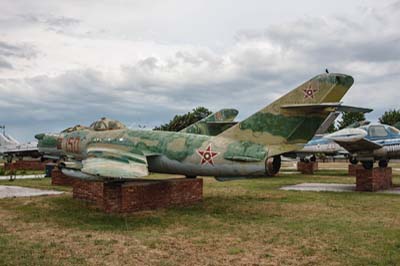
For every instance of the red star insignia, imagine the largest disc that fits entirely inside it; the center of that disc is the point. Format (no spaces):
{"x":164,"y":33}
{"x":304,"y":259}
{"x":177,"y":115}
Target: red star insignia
{"x":207,"y":155}
{"x":309,"y":92}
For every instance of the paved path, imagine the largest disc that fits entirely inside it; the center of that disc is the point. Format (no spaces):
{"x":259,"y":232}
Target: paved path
{"x":14,"y":191}
{"x":7,"y":177}
{"x":318,"y":187}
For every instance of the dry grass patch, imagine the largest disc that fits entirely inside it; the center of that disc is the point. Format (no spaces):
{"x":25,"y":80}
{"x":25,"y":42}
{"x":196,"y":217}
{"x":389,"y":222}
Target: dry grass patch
{"x":248,"y":222}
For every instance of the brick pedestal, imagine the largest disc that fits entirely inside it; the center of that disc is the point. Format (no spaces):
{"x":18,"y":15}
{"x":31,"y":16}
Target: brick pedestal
{"x":374,"y":179}
{"x":307,"y":168}
{"x":25,"y":165}
{"x":353,"y":168}
{"x":138,"y":195}
{"x":59,"y":179}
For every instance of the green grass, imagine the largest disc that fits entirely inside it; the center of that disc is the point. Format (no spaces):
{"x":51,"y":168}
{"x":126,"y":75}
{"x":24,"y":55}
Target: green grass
{"x":238,"y":222}
{"x":21,"y":172}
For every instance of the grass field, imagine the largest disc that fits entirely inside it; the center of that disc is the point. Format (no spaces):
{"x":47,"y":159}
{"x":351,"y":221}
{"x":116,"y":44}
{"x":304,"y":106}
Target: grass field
{"x":248,"y":222}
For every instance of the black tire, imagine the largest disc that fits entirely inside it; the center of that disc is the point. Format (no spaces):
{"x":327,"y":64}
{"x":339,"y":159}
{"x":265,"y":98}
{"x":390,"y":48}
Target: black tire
{"x":191,"y":176}
{"x":353,"y":160}
{"x":368,"y":164}
{"x":313,"y":158}
{"x":383,"y":163}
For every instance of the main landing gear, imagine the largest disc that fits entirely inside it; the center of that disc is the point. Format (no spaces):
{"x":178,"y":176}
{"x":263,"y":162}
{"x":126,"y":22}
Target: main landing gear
{"x":383,"y":163}
{"x":370,"y":164}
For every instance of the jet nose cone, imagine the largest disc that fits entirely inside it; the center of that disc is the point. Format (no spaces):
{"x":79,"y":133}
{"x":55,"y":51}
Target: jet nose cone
{"x":40,"y":136}
{"x":344,"y":80}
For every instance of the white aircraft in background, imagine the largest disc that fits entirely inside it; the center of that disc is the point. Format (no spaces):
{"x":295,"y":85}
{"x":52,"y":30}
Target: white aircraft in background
{"x":10,"y":148}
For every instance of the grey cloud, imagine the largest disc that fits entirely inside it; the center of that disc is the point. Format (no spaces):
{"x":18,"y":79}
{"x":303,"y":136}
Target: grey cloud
{"x":23,"y":50}
{"x":5,"y":64}
{"x":256,"y":69}
{"x":62,"y":21}
{"x":50,"y":20}
{"x":58,"y":24}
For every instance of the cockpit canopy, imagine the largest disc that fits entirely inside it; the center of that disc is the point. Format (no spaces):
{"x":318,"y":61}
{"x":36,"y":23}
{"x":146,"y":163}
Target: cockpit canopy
{"x":106,"y":124}
{"x":378,"y":130}
{"x":74,"y":128}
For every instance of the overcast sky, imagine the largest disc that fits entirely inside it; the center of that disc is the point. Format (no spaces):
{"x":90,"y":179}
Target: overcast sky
{"x":70,"y":62}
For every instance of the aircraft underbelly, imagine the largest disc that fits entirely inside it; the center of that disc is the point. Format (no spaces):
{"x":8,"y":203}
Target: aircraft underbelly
{"x":393,"y":150}
{"x":161,"y":164}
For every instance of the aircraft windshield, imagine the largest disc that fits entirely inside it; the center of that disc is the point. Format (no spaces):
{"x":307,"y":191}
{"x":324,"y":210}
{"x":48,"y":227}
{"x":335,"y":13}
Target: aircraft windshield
{"x":394,"y":130}
{"x":106,"y":124}
{"x":377,"y":131}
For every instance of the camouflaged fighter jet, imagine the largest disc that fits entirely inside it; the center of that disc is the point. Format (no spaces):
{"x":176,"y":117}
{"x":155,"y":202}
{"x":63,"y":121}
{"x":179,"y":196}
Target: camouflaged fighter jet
{"x":50,"y":147}
{"x":250,"y":148}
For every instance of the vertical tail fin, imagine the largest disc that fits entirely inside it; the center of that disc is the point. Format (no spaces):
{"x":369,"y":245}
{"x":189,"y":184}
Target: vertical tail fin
{"x":276,"y":124}
{"x":213,"y":124}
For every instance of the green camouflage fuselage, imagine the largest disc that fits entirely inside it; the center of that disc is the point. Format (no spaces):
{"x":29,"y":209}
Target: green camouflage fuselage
{"x":171,"y":152}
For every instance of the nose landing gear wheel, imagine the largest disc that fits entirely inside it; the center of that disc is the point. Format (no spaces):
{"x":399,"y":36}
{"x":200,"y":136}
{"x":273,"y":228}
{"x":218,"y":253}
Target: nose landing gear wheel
{"x":383,"y":163}
{"x":353,"y":160}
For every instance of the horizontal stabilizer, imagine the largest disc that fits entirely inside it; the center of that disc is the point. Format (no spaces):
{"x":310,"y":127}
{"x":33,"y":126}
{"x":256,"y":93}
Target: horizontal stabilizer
{"x":328,"y":107}
{"x":353,"y":109}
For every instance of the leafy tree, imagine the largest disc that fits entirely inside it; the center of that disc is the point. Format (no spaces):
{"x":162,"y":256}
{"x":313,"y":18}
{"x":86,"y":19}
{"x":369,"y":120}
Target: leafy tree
{"x":390,"y":117}
{"x":179,"y":122}
{"x":331,"y":128}
{"x":349,"y":118}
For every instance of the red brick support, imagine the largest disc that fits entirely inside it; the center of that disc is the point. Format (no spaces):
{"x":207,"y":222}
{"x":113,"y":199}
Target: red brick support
{"x":373,"y":179}
{"x":307,"y":168}
{"x":132,"y":196}
{"x":59,"y":179}
{"x":91,"y":191}
{"x":353,"y":168}
{"x":26,"y":165}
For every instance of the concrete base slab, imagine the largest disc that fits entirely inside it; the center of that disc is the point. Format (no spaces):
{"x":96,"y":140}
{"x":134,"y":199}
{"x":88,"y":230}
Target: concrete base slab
{"x":289,"y":173}
{"x":7,"y":177}
{"x":14,"y":191}
{"x":319,"y":187}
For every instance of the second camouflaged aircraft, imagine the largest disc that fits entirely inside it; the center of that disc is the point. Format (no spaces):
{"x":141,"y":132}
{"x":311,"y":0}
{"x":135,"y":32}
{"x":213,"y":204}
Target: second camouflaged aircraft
{"x":250,"y":148}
